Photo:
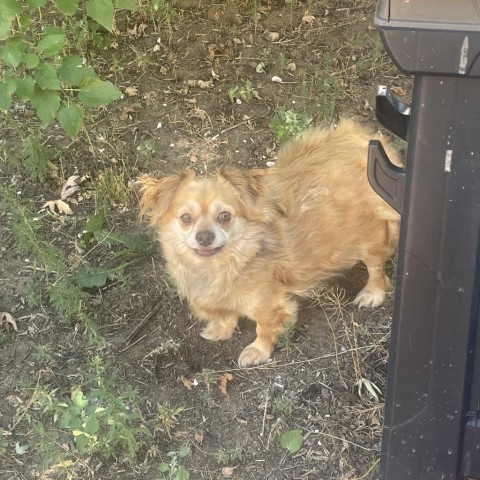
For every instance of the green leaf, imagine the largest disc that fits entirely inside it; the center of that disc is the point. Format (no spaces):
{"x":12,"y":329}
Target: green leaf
{"x":12,"y":52}
{"x":127,"y":5}
{"x":81,"y":440}
{"x":92,"y":426}
{"x":184,"y":452}
{"x":95,"y":222}
{"x":46,"y":103}
{"x":31,"y":60}
{"x":5,"y":23}
{"x":182,"y":474}
{"x":72,"y":70}
{"x":79,"y":399}
{"x":71,"y":119}
{"x":52,"y":41}
{"x":102,"y":12}
{"x":68,"y":7}
{"x":23,"y":21}
{"x":46,"y":77}
{"x":25,"y":88}
{"x":91,"y":277}
{"x":10,"y":8}
{"x":93,"y":225}
{"x":292,"y":440}
{"x":7,"y":88}
{"x":134,"y":242}
{"x":95,"y":92}
{"x":33,"y":4}
{"x":164,"y":467}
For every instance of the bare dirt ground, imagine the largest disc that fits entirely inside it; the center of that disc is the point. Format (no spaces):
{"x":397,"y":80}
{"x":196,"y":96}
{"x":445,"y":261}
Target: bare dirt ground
{"x":200,"y":95}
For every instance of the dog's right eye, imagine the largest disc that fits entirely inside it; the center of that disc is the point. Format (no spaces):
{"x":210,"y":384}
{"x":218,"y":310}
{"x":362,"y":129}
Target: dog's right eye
{"x":186,"y":218}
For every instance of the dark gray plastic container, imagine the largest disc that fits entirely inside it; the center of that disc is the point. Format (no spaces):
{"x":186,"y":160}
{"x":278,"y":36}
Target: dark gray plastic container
{"x":432,"y":420}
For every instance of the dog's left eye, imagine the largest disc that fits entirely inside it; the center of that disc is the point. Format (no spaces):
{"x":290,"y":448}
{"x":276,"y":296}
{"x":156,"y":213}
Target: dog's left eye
{"x":224,"y":217}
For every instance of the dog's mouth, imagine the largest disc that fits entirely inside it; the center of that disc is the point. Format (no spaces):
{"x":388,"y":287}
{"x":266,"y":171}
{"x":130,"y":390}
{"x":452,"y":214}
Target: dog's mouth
{"x":207,"y":252}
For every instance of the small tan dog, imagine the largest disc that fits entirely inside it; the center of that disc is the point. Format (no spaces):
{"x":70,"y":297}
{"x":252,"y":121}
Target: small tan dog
{"x":245,"y":243}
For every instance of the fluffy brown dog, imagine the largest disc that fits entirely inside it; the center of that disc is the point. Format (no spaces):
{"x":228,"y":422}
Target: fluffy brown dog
{"x":246,"y":243}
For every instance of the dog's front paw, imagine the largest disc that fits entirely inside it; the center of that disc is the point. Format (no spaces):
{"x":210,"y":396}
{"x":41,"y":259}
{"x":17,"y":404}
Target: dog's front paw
{"x":370,"y":298}
{"x":216,"y":331}
{"x":252,"y":355}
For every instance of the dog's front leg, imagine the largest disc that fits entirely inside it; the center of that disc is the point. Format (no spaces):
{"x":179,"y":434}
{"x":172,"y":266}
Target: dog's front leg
{"x":221,"y":323}
{"x":270,"y":322}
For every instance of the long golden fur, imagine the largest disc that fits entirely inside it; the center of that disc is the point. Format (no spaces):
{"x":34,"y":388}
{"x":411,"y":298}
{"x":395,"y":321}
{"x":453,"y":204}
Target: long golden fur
{"x":245,"y":243}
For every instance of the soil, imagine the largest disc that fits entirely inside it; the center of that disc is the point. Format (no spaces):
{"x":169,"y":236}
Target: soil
{"x":179,"y":115}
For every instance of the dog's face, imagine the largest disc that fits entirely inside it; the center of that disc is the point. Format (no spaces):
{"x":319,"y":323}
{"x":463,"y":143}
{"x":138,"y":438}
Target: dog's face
{"x":202,"y":217}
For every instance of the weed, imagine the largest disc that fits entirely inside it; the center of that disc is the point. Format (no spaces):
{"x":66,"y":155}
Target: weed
{"x":285,"y":338}
{"x":283,"y":62}
{"x":288,"y":124}
{"x":3,"y":443}
{"x":283,"y":405}
{"x":208,"y":377}
{"x":26,"y":226}
{"x":236,"y":454}
{"x":173,"y":470}
{"x":36,"y":158}
{"x":42,"y":354}
{"x":244,"y":93}
{"x":166,"y":417}
{"x":112,"y":188}
{"x":67,"y":287}
{"x":150,"y":147}
{"x":328,"y":88}
{"x":101,"y":420}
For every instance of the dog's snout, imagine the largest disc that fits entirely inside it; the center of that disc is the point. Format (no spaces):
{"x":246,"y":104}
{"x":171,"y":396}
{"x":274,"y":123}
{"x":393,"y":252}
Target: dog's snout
{"x":205,"y":238}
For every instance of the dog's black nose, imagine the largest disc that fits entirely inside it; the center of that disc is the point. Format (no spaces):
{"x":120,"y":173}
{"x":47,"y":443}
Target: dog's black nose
{"x":205,"y":238}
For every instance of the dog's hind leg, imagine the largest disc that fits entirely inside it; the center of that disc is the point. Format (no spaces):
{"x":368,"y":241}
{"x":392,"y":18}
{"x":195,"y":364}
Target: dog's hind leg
{"x":373,"y":294}
{"x":271,"y":320}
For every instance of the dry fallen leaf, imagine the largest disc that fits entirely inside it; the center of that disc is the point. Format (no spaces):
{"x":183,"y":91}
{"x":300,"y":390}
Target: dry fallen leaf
{"x":226,"y":377}
{"x":188,"y":384}
{"x":200,"y":83}
{"x":273,"y":36}
{"x":307,"y":18}
{"x":58,"y":206}
{"x":131,"y":91}
{"x":71,"y":186}
{"x":228,"y":471}
{"x":398,"y":90}
{"x":7,"y":319}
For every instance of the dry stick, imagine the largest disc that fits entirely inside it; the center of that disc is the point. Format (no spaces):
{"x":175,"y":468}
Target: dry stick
{"x":239,"y":124}
{"x":142,"y":324}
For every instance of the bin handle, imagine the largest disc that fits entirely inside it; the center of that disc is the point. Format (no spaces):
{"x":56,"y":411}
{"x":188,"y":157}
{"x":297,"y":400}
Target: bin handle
{"x":387,"y":179}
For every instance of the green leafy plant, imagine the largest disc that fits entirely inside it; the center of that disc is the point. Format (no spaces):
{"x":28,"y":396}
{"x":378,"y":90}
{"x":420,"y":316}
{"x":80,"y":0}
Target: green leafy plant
{"x":225,"y":457}
{"x":69,"y":287}
{"x":41,"y":65}
{"x":288,"y":124}
{"x":244,"y":93}
{"x":173,"y":470}
{"x":98,"y":418}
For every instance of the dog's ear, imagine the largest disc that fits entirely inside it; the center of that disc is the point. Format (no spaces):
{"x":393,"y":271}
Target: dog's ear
{"x":157,"y":194}
{"x":250,"y":185}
